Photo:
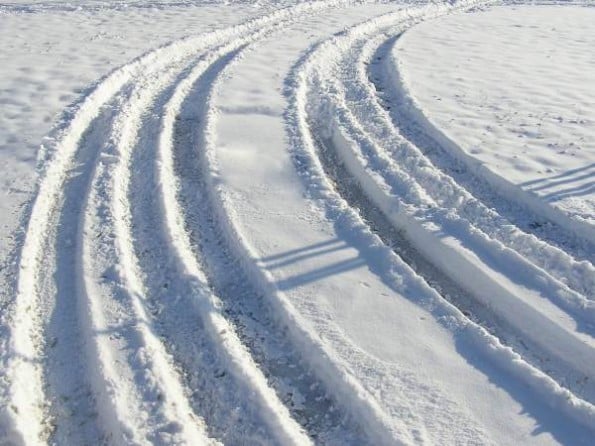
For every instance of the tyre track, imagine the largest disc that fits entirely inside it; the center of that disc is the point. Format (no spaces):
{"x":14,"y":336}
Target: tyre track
{"x":26,"y":417}
{"x":393,"y":182}
{"x":408,"y":172}
{"x":351,"y":143}
{"x":307,"y":400}
{"x":175,"y":298}
{"x":117,"y":346}
{"x":233,"y":358}
{"x":71,"y":407}
{"x":144,"y":396}
{"x":317,"y":176}
{"x":549,"y":246}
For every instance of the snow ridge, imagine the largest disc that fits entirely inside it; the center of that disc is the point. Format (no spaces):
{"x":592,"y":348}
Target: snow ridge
{"x":25,"y":419}
{"x":123,"y":287}
{"x":349,"y":140}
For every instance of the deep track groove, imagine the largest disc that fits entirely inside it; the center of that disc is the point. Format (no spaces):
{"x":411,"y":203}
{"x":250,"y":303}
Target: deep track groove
{"x":143,"y":314}
{"x":307,"y":398}
{"x":171,"y":301}
{"x":316,"y":175}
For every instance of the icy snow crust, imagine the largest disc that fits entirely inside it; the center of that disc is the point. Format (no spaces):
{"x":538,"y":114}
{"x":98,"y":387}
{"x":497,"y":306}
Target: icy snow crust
{"x":255,"y":235}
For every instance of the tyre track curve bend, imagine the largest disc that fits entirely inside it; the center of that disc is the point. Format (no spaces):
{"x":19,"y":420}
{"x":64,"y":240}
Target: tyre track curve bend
{"x":358,"y":151}
{"x":234,"y":240}
{"x":134,"y":388}
{"x":463,"y":238}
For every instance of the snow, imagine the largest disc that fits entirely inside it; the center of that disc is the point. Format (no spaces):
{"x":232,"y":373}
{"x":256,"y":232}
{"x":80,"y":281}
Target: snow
{"x":514,"y":89}
{"x":252,"y":222}
{"x":49,"y":58}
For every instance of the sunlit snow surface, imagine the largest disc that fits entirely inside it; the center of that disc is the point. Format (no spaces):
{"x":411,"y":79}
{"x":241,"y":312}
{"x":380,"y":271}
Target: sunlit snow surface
{"x":307,"y":223}
{"x":52,"y":52}
{"x":514,"y":87}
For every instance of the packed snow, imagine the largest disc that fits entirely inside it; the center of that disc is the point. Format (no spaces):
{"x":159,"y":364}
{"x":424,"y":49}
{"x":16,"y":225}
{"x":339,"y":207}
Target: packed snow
{"x":294,"y":222}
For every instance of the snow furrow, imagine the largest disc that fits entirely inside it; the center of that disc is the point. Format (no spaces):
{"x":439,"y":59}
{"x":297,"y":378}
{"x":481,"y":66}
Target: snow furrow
{"x":68,"y":355}
{"x":309,"y":402}
{"x":23,"y":418}
{"x":231,"y":407}
{"x":578,"y":275}
{"x":171,"y":297}
{"x":109,"y":258}
{"x":316,"y":175}
{"x":236,"y":357}
{"x":437,"y":233}
{"x":549,"y":347}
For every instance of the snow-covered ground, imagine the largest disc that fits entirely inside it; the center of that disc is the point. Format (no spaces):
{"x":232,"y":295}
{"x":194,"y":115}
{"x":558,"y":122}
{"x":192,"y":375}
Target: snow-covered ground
{"x":513,"y":88}
{"x":52,"y":52}
{"x":283,"y":222}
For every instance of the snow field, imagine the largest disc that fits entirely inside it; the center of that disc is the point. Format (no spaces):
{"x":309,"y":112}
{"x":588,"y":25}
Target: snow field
{"x":248,"y":236}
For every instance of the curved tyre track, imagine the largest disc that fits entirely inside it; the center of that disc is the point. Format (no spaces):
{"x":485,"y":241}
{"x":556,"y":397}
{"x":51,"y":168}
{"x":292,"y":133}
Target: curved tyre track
{"x":148,"y":313}
{"x":556,"y":348}
{"x":404,"y":194}
{"x":428,"y":188}
{"x":182,"y":156}
{"x":27,"y":418}
{"x":355,"y":170}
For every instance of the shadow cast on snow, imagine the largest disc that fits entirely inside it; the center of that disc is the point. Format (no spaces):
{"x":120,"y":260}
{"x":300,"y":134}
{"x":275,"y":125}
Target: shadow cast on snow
{"x":577,"y":182}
